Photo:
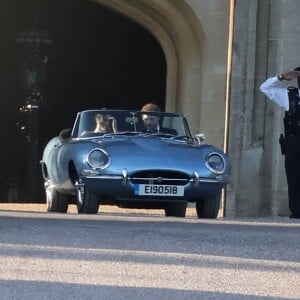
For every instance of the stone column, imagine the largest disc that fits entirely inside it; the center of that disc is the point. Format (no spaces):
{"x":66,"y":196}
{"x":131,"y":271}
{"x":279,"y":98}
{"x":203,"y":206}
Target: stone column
{"x":265,"y":43}
{"x":245,"y":193}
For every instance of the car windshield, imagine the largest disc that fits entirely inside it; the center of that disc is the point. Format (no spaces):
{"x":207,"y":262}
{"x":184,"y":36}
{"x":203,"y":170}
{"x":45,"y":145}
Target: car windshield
{"x":92,"y":123}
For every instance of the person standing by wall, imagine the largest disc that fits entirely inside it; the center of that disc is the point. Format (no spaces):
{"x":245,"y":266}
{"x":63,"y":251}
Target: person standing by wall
{"x":288,"y":98}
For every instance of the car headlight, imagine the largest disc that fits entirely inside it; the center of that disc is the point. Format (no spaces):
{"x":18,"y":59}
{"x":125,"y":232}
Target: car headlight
{"x":215,"y":162}
{"x":98,"y":159}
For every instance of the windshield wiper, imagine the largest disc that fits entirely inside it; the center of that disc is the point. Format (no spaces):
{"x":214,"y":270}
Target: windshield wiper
{"x":159,"y":134}
{"x":124,"y":133}
{"x":182,"y":137}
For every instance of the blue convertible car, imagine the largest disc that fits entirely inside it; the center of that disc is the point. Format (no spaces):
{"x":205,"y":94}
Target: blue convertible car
{"x":112,"y":157}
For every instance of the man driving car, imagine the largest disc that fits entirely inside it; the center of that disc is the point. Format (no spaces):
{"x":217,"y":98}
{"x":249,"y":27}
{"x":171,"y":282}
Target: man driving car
{"x":151,"y":121}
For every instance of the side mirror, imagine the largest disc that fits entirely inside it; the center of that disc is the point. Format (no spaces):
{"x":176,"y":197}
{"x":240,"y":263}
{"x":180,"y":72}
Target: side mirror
{"x":200,"y":137}
{"x":65,"y":134}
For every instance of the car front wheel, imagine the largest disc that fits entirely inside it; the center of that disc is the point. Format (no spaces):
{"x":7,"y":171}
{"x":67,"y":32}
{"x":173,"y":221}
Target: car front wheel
{"x":177,"y":209}
{"x":55,"y":201}
{"x":208,"y":207}
{"x":87,"y":201}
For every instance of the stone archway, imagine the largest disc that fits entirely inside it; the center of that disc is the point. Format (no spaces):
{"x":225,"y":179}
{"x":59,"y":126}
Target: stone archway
{"x":191,"y":49}
{"x":178,"y":30}
{"x":191,"y":35}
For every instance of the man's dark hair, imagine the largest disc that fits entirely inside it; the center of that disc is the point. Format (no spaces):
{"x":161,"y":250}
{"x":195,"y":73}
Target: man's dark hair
{"x":298,"y":78}
{"x":150,"y":107}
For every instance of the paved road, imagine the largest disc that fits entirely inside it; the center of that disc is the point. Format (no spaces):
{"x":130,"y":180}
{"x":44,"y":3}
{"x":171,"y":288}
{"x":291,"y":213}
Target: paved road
{"x":114,"y":255}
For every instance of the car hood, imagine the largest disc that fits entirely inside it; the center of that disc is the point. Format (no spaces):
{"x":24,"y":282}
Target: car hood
{"x":153,"y":152}
{"x":149,"y":145}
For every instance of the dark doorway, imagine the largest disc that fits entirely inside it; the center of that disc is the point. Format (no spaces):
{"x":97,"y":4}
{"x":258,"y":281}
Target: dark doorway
{"x":98,"y":58}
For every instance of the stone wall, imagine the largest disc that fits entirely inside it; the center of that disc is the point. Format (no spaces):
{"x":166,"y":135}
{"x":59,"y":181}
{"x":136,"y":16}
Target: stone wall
{"x":194,"y":37}
{"x":265,"y":43}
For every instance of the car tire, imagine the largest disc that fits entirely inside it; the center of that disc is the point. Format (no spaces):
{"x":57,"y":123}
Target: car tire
{"x":56,"y":202}
{"x":177,"y":209}
{"x":208,"y":207}
{"x":90,"y":203}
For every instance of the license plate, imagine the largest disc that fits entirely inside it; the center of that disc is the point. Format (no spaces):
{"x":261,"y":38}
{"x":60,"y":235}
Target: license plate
{"x":158,"y":190}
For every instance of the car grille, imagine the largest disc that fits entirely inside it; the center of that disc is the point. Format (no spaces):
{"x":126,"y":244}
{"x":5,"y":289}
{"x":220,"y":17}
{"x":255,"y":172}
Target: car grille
{"x":160,"y":177}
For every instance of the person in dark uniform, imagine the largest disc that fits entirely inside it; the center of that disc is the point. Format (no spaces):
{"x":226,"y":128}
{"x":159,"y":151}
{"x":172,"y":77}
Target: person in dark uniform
{"x":288,"y":98}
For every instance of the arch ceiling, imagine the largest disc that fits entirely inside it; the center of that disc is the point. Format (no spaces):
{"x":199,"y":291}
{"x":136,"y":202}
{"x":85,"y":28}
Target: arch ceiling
{"x":177,"y":28}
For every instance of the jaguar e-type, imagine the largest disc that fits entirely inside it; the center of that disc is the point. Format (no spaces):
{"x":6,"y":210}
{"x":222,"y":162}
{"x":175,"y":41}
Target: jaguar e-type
{"x":111,"y":157}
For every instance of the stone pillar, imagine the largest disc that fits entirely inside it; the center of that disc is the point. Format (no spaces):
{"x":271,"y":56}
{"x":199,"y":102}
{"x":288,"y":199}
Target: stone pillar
{"x":264,"y":44}
{"x":244,"y":190}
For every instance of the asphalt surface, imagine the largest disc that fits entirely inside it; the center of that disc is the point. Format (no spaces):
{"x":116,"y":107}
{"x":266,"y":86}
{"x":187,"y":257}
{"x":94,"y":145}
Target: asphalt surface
{"x":143,"y":255}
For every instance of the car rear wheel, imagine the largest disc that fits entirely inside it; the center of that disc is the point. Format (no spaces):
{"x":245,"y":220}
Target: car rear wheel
{"x":55,"y":201}
{"x":208,"y":207}
{"x":177,"y":209}
{"x":87,"y":201}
